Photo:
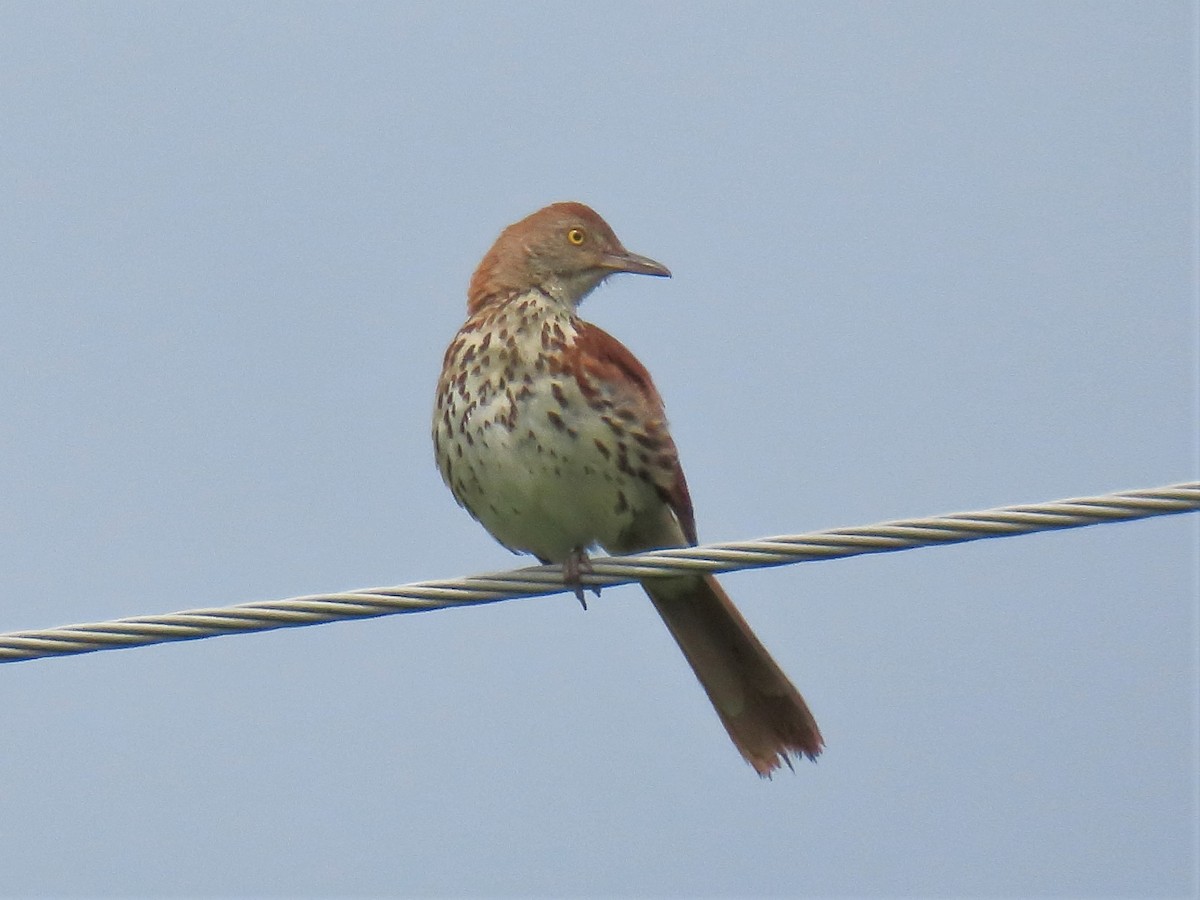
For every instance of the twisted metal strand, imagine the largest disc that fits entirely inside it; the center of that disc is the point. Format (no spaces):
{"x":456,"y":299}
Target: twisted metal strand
{"x":903,"y":534}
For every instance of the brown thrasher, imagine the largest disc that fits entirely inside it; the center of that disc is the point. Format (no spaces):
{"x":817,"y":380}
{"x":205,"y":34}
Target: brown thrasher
{"x":553,"y":436}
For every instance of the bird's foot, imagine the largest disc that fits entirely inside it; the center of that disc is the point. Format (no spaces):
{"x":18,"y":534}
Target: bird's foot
{"x":573,"y":567}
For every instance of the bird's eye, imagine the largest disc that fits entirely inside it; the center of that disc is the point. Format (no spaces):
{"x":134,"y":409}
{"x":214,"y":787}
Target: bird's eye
{"x":576,"y":236}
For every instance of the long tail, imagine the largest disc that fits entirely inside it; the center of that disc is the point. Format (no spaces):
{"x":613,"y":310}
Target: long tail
{"x":763,"y":712}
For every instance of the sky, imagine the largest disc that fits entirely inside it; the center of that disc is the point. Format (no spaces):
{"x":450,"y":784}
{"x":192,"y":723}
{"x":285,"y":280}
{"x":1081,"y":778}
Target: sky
{"x":928,"y":257}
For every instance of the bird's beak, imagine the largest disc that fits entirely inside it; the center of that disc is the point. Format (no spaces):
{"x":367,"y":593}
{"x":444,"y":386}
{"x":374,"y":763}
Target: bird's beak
{"x":625,"y":261}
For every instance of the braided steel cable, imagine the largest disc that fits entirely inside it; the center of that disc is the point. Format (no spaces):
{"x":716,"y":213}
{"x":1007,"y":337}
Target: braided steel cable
{"x":315,"y":609}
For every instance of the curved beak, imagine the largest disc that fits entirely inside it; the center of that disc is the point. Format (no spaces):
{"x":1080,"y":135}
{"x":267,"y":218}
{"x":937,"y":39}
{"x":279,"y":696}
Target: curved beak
{"x":624,"y":261}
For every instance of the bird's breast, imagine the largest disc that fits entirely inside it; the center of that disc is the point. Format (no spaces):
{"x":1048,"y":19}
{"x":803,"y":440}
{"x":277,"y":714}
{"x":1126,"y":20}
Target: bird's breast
{"x":533,"y":448}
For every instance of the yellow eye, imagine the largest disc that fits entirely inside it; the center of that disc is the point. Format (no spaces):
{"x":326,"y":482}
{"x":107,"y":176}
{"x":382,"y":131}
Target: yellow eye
{"x":576,"y":236}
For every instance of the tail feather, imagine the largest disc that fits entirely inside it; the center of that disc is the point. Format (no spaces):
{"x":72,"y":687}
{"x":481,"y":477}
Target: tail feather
{"x":763,"y":712}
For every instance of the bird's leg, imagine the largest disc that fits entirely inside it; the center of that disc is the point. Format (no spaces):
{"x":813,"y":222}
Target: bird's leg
{"x":573,"y":567}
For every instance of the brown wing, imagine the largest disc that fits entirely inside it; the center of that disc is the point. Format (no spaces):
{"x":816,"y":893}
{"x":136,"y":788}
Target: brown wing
{"x":615,"y":383}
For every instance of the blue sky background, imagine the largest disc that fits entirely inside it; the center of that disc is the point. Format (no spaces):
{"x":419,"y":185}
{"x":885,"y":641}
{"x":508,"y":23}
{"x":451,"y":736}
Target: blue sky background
{"x":928,"y":257}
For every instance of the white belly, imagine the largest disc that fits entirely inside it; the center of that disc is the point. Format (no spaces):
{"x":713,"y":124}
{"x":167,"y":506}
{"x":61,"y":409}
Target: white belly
{"x":551,"y":494}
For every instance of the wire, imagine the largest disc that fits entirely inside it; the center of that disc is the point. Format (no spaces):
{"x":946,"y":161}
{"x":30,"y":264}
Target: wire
{"x":315,"y":609}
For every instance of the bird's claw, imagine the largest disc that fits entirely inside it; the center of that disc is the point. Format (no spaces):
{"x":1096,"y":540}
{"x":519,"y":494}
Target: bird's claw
{"x":573,"y":568}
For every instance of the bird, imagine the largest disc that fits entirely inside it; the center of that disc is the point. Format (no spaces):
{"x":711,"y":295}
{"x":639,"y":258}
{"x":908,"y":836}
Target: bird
{"x":552,"y":435}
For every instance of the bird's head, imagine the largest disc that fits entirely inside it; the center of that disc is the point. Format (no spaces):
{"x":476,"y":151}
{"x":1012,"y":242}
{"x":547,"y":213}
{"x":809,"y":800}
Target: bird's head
{"x":564,"y":250}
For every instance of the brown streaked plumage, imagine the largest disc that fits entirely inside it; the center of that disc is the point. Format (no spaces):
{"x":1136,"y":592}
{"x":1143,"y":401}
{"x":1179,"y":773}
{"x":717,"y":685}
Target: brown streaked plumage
{"x":552,"y":434}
